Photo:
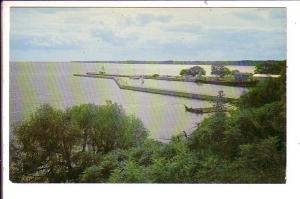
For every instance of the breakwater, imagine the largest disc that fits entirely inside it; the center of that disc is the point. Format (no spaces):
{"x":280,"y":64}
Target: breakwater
{"x":248,"y":83}
{"x":94,"y":76}
{"x":166,"y":78}
{"x":229,"y":83}
{"x":155,"y":90}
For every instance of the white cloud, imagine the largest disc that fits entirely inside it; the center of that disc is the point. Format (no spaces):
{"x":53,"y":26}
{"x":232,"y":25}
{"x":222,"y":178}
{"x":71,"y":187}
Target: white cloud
{"x":134,"y":28}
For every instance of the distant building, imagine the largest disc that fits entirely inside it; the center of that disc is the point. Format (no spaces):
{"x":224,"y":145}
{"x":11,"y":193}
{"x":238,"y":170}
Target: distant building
{"x":263,"y":76}
{"x":210,"y":75}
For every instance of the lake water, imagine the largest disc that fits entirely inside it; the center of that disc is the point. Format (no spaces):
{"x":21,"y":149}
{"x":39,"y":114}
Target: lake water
{"x":36,"y":83}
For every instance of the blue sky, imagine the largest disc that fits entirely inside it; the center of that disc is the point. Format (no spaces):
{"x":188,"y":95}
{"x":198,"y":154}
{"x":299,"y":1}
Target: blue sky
{"x":66,"y":34}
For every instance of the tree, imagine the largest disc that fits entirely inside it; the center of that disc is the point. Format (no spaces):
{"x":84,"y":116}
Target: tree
{"x":265,"y":92}
{"x":183,"y":71}
{"x":57,"y":146}
{"x":260,"y":162}
{"x":227,"y":71}
{"x":195,"y":70}
{"x":45,"y":145}
{"x":241,"y":77}
{"x":219,"y":70}
{"x":130,"y":172}
{"x":233,"y":72}
{"x":107,"y":127}
{"x":270,"y":67}
{"x":102,"y":169}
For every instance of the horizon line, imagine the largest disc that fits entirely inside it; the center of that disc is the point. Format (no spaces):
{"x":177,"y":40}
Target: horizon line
{"x":149,"y":60}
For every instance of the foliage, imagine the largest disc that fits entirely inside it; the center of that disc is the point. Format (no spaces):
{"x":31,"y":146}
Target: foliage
{"x":45,"y":145}
{"x":56,"y":146}
{"x":101,"y":170}
{"x":242,"y":77}
{"x":155,"y":75}
{"x":266,"y":92}
{"x":173,"y":164}
{"x":249,"y":144}
{"x":247,"y":147}
{"x":220,"y":70}
{"x":195,"y":70}
{"x":270,"y":67}
{"x":105,"y":128}
{"x":183,"y":72}
{"x":233,"y":72}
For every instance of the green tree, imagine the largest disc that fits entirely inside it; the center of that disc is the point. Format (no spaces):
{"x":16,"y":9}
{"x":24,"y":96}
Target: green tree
{"x":270,"y":67}
{"x":260,"y":162}
{"x":130,"y":172}
{"x":241,"y":77}
{"x":219,"y":70}
{"x":105,"y":128}
{"x":183,"y":71}
{"x":45,"y":145}
{"x":265,"y":92}
{"x":233,"y":72}
{"x":101,"y":170}
{"x":57,"y":146}
{"x":193,"y":71}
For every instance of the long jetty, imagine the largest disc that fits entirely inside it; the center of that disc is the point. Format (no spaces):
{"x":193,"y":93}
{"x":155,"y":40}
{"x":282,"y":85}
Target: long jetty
{"x":154,"y":90}
{"x":166,"y":78}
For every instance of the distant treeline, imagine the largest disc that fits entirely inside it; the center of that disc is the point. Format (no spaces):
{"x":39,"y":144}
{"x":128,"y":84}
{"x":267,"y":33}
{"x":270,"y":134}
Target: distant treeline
{"x":237,"y":63}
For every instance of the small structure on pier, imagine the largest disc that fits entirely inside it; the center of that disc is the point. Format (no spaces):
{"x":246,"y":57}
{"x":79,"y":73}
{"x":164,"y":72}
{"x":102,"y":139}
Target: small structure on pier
{"x":142,"y":79}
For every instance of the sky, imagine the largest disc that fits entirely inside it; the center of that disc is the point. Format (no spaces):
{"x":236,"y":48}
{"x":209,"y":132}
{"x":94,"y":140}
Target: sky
{"x":205,"y":34}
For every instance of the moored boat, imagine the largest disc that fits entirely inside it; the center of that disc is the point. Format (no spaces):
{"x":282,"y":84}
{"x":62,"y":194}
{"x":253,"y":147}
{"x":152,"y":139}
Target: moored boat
{"x":201,"y":110}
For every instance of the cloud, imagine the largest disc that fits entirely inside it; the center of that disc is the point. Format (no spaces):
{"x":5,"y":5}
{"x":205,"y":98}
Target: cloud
{"x":185,"y":27}
{"x":145,"y":19}
{"x":148,"y":33}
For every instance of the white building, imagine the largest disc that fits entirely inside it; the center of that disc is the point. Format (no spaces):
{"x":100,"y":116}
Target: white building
{"x":262,"y":77}
{"x":265,"y":76}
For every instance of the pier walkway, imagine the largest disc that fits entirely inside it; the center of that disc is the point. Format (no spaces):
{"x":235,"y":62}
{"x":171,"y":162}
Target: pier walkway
{"x":154,"y":90}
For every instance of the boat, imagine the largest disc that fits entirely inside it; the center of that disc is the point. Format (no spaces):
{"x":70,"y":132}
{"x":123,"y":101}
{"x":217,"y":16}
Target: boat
{"x":201,"y":110}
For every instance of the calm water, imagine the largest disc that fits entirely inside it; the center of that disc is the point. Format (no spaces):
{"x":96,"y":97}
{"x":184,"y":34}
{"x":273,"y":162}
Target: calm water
{"x":32,"y":84}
